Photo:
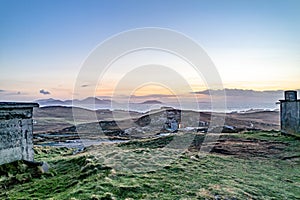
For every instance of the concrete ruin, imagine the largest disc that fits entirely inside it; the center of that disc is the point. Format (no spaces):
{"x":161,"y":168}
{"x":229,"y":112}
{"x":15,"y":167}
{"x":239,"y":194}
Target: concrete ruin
{"x":173,"y":119}
{"x":290,"y":113}
{"x":16,"y":131}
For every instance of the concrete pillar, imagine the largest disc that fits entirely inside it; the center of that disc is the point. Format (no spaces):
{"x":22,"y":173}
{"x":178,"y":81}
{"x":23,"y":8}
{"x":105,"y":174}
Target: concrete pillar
{"x":290,"y":113}
{"x":16,"y":131}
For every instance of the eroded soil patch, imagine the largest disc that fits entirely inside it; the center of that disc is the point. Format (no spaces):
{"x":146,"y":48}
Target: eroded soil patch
{"x":245,"y":148}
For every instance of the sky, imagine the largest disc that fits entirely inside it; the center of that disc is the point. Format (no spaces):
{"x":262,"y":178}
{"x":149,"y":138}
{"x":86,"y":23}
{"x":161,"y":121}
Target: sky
{"x":255,"y":45}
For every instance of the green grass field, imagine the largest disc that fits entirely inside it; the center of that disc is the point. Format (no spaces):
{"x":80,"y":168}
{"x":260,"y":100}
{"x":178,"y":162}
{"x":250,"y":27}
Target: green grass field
{"x":240,"y":175}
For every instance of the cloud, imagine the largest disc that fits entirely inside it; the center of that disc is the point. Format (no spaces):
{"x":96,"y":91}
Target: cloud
{"x":44,"y":92}
{"x":146,"y":97}
{"x":240,"y":92}
{"x":11,"y":92}
{"x":245,"y":96}
{"x":153,"y":96}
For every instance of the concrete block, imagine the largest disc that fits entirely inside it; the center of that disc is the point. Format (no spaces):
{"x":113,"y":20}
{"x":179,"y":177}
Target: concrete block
{"x":16,"y":132}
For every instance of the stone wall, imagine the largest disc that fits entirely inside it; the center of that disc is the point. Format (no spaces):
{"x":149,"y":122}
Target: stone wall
{"x":16,"y":131}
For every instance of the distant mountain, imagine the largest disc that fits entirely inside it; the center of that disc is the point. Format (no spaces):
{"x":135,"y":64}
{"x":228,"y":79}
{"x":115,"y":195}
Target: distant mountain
{"x":152,"y":102}
{"x":49,"y":102}
{"x":94,"y":100}
{"x":89,"y":100}
{"x":70,"y":102}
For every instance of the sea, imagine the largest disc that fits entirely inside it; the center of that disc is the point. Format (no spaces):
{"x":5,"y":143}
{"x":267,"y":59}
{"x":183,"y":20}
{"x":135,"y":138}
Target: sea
{"x":203,"y":106}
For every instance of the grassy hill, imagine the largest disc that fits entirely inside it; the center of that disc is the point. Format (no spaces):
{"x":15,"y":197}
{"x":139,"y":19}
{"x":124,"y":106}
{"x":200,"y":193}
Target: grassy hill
{"x":253,"y":165}
{"x":54,"y":118}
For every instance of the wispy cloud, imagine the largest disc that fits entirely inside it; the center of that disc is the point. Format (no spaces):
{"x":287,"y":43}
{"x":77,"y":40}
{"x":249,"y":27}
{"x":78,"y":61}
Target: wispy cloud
{"x":240,"y":92}
{"x":143,"y":97}
{"x":10,"y":92}
{"x":154,"y":96}
{"x":13,"y":95}
{"x":44,"y":92}
{"x":139,"y":98}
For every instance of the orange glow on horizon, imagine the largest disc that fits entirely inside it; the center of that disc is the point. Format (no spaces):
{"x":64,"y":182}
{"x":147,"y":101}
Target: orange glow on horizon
{"x":152,"y":89}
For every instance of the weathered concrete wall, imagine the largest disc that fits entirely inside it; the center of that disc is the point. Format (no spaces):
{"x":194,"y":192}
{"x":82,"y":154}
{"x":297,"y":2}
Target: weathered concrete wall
{"x":290,"y":116}
{"x":290,"y":113}
{"x":16,"y":132}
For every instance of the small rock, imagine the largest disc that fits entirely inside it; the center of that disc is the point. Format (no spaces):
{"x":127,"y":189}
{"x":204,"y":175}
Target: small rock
{"x":194,"y":158}
{"x":44,"y":167}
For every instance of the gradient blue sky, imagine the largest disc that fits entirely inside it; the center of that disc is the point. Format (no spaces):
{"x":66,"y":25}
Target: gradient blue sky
{"x":254,"y":44}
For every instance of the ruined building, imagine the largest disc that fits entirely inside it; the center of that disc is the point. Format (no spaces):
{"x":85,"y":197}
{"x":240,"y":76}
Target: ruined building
{"x":290,"y":113}
{"x":173,"y":119}
{"x":16,"y":131}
